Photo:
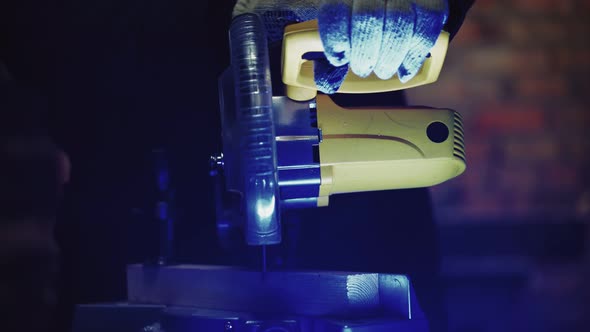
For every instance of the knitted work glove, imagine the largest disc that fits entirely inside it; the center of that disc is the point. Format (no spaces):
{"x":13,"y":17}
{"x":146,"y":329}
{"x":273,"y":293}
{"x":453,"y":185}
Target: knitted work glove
{"x":381,"y":36}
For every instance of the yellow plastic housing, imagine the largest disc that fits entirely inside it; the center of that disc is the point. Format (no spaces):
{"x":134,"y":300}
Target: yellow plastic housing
{"x":298,"y":76}
{"x":373,"y":149}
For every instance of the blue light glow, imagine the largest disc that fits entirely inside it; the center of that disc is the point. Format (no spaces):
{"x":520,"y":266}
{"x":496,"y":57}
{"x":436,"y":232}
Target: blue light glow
{"x":265,"y":208}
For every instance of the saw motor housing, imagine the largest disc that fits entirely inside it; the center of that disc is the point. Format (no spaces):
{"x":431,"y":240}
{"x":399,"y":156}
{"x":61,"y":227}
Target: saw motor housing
{"x":295,"y":151}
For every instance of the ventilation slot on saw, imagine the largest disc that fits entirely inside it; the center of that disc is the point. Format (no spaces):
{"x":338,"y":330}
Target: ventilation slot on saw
{"x":459,"y":138}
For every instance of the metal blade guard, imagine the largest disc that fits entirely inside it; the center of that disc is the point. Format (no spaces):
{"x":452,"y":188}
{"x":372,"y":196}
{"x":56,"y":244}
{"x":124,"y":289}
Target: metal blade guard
{"x":247,"y":179}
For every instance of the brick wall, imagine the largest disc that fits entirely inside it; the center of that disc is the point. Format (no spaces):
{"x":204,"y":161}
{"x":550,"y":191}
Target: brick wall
{"x":519,"y":73}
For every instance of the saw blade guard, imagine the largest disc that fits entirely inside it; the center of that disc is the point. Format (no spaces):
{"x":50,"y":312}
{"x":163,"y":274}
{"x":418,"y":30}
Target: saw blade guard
{"x":255,"y":132}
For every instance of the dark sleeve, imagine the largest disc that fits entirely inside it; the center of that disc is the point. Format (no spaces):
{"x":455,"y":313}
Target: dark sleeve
{"x":457,"y":11}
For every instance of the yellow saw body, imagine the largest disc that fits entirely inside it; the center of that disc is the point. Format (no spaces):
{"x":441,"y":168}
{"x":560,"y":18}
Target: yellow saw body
{"x":295,"y":151}
{"x":370,"y":149}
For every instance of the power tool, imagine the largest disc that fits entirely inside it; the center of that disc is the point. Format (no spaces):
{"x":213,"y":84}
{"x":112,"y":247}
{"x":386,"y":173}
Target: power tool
{"x":295,"y":151}
{"x":288,"y":152}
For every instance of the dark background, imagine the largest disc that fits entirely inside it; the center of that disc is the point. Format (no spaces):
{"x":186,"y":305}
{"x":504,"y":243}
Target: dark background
{"x":120,"y":79}
{"x":514,"y":226}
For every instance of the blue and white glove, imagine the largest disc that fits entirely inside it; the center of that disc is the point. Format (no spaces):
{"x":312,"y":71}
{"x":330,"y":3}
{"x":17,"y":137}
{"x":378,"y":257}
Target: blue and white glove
{"x":381,"y":36}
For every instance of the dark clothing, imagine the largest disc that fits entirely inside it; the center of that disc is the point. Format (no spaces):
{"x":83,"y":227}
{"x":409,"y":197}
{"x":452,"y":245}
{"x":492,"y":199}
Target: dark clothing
{"x":125,"y":76}
{"x":457,"y":11}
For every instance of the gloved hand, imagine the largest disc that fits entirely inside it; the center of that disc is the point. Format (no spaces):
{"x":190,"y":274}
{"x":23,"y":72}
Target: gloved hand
{"x":381,"y":36}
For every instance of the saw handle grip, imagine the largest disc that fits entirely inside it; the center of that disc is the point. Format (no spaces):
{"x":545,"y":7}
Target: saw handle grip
{"x":298,"y":75}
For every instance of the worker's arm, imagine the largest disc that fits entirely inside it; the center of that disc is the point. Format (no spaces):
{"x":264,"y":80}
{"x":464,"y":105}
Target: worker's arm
{"x":369,"y":36}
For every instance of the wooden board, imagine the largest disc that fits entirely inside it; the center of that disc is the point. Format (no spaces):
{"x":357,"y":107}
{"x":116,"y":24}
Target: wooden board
{"x":306,"y":293}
